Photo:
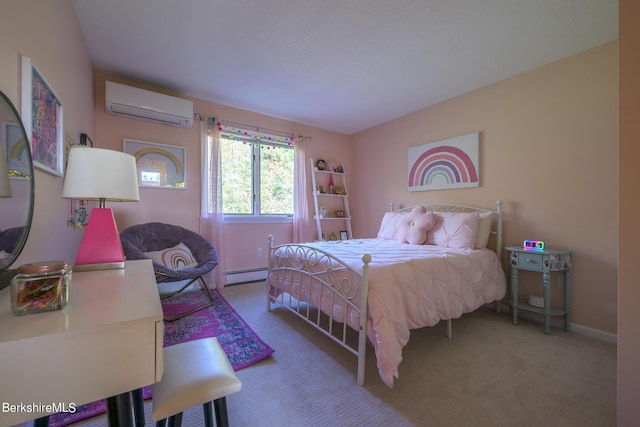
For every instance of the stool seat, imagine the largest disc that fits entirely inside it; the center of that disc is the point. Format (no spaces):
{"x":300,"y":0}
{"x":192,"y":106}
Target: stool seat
{"x":195,"y":373}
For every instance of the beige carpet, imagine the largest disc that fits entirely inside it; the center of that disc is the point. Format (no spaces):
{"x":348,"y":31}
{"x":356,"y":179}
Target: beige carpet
{"x":491,"y":374}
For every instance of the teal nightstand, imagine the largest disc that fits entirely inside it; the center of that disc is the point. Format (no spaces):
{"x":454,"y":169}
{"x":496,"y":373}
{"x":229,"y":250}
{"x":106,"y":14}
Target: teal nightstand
{"x":545,"y":262}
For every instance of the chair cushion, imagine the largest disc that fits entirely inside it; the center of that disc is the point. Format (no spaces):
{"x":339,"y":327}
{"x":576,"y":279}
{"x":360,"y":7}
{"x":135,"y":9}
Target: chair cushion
{"x":10,"y":237}
{"x":195,"y":372}
{"x":177,"y":257}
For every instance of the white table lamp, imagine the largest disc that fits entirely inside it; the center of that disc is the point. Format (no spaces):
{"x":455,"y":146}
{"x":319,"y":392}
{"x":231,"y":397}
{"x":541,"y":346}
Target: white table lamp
{"x":103,"y":175}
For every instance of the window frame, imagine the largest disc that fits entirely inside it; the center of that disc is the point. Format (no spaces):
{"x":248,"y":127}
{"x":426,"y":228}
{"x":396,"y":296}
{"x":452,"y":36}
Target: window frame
{"x":256,"y":218}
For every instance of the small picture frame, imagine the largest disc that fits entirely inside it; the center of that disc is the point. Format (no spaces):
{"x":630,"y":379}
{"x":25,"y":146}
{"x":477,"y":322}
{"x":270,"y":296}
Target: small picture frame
{"x":344,"y":235}
{"x":321,"y":165}
{"x":16,"y":152}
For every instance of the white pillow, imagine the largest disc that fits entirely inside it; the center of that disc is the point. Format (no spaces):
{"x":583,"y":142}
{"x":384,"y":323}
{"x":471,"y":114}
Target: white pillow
{"x":454,"y":230}
{"x":484,"y":229}
{"x":178,"y":257}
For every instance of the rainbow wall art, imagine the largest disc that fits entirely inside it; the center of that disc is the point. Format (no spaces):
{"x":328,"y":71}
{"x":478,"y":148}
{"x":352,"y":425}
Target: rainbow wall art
{"x":447,"y":164}
{"x":159,"y":165}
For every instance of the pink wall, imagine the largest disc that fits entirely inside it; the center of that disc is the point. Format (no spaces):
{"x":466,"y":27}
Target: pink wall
{"x":629,"y":230}
{"x":548,"y":149}
{"x":26,"y":28}
{"x":182,"y":207}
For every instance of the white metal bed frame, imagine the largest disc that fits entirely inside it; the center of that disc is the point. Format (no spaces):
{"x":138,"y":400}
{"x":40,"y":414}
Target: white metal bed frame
{"x":313,"y":268}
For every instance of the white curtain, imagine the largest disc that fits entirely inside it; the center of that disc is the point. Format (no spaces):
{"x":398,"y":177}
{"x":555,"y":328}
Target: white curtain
{"x":300,"y":208}
{"x":212,"y":217}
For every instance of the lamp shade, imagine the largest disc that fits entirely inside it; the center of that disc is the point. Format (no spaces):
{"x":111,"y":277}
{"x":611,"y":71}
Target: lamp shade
{"x":5,"y":185}
{"x":99,"y":174}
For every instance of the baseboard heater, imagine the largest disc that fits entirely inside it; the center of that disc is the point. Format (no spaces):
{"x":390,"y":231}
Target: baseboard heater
{"x":245,"y":276}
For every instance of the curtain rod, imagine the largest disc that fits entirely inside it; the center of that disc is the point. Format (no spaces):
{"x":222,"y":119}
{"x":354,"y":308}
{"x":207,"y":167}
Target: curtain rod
{"x":212,"y":122}
{"x":255,"y":128}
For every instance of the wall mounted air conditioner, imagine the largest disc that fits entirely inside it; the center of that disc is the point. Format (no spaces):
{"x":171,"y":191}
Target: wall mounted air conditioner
{"x":136,"y":103}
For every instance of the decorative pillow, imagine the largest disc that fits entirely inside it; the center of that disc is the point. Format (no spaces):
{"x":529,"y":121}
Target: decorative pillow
{"x":178,"y":257}
{"x":484,"y":229}
{"x":411,"y":227}
{"x":454,"y":230}
{"x":389,"y":225}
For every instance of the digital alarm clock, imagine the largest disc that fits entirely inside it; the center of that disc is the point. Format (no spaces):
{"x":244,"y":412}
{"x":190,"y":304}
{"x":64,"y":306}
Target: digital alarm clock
{"x":534,"y":245}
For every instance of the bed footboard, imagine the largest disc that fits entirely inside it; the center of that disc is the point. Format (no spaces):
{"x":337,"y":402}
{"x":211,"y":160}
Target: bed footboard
{"x":322,"y":290}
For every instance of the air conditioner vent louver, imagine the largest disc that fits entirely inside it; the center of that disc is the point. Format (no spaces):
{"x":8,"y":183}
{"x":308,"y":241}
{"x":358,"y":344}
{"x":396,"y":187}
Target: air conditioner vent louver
{"x":135,"y":103}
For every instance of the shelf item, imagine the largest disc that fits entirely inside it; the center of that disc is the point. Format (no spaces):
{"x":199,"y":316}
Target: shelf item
{"x":330,"y":201}
{"x":545,"y":262}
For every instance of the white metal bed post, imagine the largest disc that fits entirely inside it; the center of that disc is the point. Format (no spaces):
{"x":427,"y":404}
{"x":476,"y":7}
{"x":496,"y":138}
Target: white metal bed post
{"x":499,"y":240}
{"x":362,"y":335}
{"x":271,"y":238}
{"x":499,"y":230}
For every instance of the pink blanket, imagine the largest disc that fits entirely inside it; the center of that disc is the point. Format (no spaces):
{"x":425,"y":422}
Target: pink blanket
{"x":413,"y":286}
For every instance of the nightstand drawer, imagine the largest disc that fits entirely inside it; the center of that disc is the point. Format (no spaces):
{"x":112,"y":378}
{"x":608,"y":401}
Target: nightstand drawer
{"x":530,"y":261}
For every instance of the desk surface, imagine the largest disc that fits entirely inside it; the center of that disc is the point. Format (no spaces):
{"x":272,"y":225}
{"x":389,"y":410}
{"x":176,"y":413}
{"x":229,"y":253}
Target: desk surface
{"x":106,"y":341}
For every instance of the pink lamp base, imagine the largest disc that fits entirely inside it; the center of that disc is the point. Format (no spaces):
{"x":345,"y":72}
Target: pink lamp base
{"x":100,"y":248}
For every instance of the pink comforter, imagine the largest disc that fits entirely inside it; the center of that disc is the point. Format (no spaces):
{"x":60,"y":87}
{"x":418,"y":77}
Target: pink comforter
{"x":412,"y":286}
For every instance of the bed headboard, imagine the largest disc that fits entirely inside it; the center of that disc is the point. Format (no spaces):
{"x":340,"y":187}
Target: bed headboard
{"x":496,"y":228}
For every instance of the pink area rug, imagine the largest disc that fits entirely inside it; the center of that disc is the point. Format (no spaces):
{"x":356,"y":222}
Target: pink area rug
{"x":241,"y":344}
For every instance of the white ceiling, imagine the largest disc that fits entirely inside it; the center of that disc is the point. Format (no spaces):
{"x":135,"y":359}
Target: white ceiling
{"x":341,"y":65}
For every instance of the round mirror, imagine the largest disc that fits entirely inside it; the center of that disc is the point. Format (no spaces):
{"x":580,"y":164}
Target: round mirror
{"x":16,"y":187}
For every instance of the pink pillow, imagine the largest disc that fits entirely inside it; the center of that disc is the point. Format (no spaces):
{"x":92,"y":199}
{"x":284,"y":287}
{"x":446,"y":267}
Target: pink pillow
{"x":454,"y":230}
{"x":389,"y":226}
{"x":484,"y":229}
{"x":411,"y":227}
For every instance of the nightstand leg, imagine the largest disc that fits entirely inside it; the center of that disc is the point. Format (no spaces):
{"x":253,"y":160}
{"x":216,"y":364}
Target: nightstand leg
{"x":567,"y":300}
{"x":514,"y":294}
{"x":546,"y":277}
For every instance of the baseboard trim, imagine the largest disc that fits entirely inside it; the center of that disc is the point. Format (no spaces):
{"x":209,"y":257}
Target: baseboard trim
{"x":595,"y":333}
{"x":245,"y":276}
{"x":558,"y":322}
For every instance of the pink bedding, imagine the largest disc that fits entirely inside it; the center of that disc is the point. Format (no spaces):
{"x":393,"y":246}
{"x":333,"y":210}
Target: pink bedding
{"x":412,"y":286}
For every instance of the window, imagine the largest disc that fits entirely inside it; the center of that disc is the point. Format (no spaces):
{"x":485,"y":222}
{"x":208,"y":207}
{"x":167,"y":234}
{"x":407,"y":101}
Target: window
{"x":257,"y":178}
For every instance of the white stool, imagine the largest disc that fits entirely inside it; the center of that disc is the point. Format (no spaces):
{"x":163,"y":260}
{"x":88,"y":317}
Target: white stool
{"x":195,"y":373}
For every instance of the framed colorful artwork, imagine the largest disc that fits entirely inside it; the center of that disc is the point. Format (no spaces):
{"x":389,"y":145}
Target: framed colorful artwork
{"x":159,"y":165}
{"x":42,"y":119}
{"x":447,"y":164}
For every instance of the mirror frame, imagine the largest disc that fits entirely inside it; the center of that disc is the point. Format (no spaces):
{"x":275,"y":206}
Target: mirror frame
{"x":5,"y":273}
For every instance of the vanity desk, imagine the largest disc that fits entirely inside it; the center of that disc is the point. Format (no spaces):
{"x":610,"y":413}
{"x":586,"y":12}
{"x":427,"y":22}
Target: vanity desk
{"x":106,"y":342}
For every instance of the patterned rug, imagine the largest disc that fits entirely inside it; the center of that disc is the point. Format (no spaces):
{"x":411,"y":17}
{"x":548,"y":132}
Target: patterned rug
{"x":241,"y":344}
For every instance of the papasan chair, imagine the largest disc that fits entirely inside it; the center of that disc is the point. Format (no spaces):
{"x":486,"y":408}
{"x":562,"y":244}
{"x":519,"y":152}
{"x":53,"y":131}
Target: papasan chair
{"x":177,"y":254}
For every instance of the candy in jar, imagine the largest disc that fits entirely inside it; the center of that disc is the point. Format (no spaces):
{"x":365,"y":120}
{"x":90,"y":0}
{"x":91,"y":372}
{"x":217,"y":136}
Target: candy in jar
{"x":40,"y":286}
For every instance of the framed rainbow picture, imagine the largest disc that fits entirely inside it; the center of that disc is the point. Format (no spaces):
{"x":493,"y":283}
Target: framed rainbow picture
{"x":159,"y":165}
{"x":447,"y":164}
